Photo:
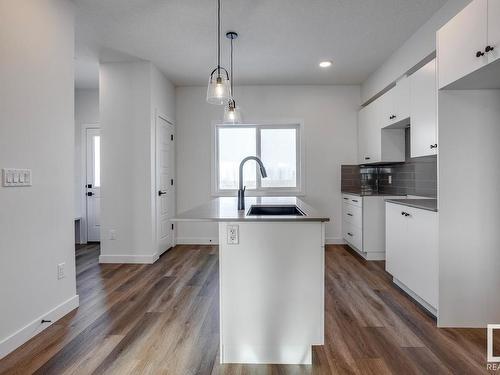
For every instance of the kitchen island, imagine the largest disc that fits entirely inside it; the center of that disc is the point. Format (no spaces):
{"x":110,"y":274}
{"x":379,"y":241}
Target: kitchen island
{"x":271,"y":267}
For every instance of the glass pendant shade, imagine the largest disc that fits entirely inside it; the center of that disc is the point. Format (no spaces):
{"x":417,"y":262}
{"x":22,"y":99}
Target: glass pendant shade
{"x":219,"y":88}
{"x":232,"y":113}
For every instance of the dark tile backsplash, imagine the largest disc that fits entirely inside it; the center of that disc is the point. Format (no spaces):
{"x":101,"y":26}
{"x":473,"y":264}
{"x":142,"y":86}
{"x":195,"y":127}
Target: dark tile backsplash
{"x":416,"y":176}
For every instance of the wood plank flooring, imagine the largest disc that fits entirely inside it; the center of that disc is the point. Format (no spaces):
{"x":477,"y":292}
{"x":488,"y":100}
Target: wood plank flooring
{"x":163,"y":319}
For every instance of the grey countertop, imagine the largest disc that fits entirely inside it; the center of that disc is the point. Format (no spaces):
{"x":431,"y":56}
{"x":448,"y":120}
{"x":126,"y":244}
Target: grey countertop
{"x":424,"y":204}
{"x":360,"y":194}
{"x":226,"y":209}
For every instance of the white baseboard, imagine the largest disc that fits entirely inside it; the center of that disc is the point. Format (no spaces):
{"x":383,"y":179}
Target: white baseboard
{"x":132,"y":259}
{"x":334,"y":241}
{"x":413,"y":295}
{"x":197,"y":240}
{"x":18,"y":338}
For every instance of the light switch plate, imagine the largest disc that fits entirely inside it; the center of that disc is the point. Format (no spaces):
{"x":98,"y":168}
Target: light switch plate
{"x":12,"y":177}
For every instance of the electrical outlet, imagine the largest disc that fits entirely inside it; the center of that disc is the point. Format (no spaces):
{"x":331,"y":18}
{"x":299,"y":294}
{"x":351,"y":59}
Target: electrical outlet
{"x":112,"y":234}
{"x":233,"y":235}
{"x":60,"y":271}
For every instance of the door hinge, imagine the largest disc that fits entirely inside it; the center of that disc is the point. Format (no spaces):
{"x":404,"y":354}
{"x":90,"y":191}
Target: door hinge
{"x":172,"y":226}
{"x":172,"y":181}
{"x":171,"y":137}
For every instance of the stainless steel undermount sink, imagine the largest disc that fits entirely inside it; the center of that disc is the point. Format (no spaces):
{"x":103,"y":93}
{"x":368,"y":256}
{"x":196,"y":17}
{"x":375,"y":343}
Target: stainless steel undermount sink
{"x":268,"y":210}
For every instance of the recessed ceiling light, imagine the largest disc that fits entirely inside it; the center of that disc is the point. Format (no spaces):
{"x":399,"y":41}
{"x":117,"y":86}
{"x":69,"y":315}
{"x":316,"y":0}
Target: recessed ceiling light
{"x":325,"y":64}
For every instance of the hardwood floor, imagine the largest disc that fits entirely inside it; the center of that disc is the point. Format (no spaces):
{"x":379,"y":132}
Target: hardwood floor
{"x":163,"y":319}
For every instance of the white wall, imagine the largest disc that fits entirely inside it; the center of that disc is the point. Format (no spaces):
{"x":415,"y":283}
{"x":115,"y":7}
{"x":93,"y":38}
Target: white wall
{"x":330,"y":132}
{"x":130,"y":92}
{"x":469,"y":177}
{"x":420,"y":45}
{"x":86,"y":112}
{"x":36,"y":132}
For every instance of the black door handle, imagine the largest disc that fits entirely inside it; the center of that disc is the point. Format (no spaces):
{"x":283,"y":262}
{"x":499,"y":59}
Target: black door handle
{"x":89,"y":194}
{"x":479,"y":54}
{"x":489,"y":48}
{"x":160,"y":193}
{"x":434,"y":145}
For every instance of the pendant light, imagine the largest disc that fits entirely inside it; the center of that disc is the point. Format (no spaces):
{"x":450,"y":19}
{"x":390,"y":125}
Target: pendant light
{"x":232,"y":113}
{"x":218,"y":91}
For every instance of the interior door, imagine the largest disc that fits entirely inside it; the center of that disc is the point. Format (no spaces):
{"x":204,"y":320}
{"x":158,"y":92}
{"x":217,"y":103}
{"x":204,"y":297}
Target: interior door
{"x":164,"y":183}
{"x":93,"y":185}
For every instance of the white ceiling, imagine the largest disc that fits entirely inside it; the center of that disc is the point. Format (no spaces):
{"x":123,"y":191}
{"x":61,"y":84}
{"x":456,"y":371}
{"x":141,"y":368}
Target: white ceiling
{"x":281,"y":41}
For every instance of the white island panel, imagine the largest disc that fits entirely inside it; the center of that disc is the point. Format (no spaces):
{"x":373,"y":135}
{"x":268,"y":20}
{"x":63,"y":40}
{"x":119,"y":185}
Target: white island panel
{"x":271,"y":292}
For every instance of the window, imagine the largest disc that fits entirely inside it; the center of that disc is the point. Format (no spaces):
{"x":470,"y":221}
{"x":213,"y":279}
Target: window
{"x":278,"y":146}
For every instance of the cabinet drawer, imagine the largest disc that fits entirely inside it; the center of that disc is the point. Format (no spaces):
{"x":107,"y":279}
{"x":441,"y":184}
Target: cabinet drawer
{"x":352,"y":199}
{"x":353,"y":215}
{"x":353,"y":235}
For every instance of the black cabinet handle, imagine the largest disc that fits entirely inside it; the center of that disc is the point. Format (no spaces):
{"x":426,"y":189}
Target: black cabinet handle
{"x":403,"y":213}
{"x":89,"y":194}
{"x":355,"y":200}
{"x":89,"y":186}
{"x":349,"y":214}
{"x":479,"y":54}
{"x":392,"y":117}
{"x":160,"y":193}
{"x":434,"y":145}
{"x":346,"y":199}
{"x":489,"y":48}
{"x":367,"y":158}
{"x":350,"y":234}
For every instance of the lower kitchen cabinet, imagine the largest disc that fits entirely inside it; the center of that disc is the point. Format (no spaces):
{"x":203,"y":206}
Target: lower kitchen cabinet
{"x":363,"y":224}
{"x":412,"y":252}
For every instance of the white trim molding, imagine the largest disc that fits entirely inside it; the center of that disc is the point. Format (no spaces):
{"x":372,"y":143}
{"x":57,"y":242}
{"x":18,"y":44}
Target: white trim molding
{"x":197,"y":240}
{"x":130,"y":259}
{"x":334,"y":241}
{"x":32,"y":329}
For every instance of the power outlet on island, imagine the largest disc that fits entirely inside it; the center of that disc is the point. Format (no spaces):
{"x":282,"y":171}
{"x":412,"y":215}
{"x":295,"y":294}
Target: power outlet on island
{"x":233,"y":235}
{"x":60,"y":271}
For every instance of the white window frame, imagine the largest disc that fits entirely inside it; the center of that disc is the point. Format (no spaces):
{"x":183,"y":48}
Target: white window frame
{"x":261,"y":191}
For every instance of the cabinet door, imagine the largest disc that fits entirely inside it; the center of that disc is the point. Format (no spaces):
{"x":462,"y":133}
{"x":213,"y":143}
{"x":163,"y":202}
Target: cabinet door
{"x":422,"y":242}
{"x":494,"y":29}
{"x":369,"y":135}
{"x":423,"y":103}
{"x":362,"y":129}
{"x":395,"y":240}
{"x":401,"y":100}
{"x":460,"y":40}
{"x":386,"y":110}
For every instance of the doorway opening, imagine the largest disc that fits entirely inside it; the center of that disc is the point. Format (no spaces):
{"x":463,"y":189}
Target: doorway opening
{"x":92,"y":191}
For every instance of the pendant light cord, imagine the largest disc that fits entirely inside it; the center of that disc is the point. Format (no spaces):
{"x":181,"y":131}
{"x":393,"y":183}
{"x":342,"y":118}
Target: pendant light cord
{"x":218,"y":38}
{"x":232,"y":91}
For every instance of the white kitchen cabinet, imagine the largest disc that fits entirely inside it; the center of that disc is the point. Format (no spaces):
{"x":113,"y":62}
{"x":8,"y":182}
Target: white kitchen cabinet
{"x":395,"y":109}
{"x":423,"y":111}
{"x":464,"y":43}
{"x":363,"y":224}
{"x":377,"y":145}
{"x":412,"y":252}
{"x":369,"y":135}
{"x":494,"y":29}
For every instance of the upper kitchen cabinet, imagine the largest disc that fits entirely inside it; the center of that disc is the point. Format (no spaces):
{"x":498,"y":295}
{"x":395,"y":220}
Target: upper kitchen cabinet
{"x":469,"y":42}
{"x":377,"y":145}
{"x":395,"y":106}
{"x":423,"y":111}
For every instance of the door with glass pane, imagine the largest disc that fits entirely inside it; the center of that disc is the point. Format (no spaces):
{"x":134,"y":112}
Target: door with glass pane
{"x":93,"y":185}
